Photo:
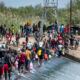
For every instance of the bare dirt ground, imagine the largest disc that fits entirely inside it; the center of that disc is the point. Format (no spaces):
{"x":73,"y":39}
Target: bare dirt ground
{"x":75,"y":53}
{"x":31,"y":39}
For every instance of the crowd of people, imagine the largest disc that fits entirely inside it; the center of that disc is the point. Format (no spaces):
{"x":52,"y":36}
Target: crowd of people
{"x":58,"y":43}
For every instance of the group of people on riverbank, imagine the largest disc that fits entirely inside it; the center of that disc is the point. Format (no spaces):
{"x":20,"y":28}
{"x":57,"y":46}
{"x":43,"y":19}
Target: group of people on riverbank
{"x":57,"y":43}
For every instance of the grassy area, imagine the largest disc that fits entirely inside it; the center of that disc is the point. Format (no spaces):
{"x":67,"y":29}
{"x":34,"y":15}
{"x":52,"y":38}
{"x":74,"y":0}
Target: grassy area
{"x":10,"y":19}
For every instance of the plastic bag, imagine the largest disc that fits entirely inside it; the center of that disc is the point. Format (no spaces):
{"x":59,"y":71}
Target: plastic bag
{"x":31,"y":66}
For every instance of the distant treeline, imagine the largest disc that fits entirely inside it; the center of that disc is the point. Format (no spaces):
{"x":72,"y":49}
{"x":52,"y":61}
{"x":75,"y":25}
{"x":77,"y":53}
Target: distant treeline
{"x":18,"y":16}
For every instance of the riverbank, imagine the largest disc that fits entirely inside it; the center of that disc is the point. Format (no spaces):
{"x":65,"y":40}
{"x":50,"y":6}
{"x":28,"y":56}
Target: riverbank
{"x":74,"y":54}
{"x":73,"y":58}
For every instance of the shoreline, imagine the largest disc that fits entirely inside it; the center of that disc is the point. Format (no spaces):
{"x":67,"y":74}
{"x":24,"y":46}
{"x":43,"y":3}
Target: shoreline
{"x":74,"y":55}
{"x":71,"y":57}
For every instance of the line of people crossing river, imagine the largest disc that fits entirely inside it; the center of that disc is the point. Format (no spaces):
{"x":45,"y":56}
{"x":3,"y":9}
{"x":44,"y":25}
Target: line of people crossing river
{"x":57,"y":43}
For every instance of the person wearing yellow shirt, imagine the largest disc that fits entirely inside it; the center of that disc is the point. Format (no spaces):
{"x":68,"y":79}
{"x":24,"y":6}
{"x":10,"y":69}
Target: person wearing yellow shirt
{"x":28,"y":53}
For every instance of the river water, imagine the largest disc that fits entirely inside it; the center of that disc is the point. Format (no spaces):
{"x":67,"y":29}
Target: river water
{"x":55,"y":69}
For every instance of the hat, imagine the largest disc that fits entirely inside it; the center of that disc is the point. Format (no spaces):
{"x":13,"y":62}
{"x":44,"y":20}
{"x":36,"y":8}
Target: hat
{"x":29,"y":22}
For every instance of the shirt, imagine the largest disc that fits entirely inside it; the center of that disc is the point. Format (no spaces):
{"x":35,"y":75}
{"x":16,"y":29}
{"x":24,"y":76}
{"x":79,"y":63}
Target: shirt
{"x":29,"y":45}
{"x":60,"y":47}
{"x":12,"y":29}
{"x":23,"y":57}
{"x":28,"y":54}
{"x":41,"y":44}
{"x":61,"y":29}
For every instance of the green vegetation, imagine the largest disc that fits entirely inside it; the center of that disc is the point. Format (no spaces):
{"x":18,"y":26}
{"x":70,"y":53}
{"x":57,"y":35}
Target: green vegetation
{"x":64,"y":14}
{"x":19,"y":16}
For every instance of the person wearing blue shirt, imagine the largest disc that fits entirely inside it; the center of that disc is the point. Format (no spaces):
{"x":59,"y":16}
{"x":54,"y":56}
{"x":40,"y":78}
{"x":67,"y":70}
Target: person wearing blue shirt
{"x":61,"y":28}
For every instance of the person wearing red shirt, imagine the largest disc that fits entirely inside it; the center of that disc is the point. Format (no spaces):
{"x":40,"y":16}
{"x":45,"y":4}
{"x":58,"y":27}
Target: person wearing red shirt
{"x":21,"y":62}
{"x":65,"y":30}
{"x":8,"y":37}
{"x":53,"y":43}
{"x":68,"y":29}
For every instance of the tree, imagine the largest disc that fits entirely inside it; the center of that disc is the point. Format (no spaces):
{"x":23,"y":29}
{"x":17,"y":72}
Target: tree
{"x":2,"y":6}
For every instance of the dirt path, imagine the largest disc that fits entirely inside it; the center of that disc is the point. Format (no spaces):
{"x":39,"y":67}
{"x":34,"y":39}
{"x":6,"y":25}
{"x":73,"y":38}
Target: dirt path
{"x":75,"y":53}
{"x":31,"y":39}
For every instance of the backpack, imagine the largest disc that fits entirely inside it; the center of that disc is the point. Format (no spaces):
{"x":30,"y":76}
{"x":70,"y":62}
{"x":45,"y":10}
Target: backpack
{"x":50,"y":56}
{"x":39,"y":52}
{"x":16,"y":64}
{"x":36,"y":56}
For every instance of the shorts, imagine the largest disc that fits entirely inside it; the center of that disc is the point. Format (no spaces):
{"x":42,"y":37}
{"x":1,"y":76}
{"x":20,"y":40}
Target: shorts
{"x":2,"y":70}
{"x":41,"y":57}
{"x":6,"y":66}
{"x":60,"y":52}
{"x":21,"y":64}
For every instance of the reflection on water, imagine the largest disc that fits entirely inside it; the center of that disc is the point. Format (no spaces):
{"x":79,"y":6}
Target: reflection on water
{"x":55,"y":69}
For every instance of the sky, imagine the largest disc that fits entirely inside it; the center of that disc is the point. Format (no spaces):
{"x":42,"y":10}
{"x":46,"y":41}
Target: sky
{"x":20,"y":3}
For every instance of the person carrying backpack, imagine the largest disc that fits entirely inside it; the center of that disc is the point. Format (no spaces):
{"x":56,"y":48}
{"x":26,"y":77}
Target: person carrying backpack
{"x":8,"y":64}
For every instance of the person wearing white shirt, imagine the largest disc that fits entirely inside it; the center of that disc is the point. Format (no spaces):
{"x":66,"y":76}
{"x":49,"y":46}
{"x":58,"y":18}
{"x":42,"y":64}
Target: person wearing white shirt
{"x":60,"y":48}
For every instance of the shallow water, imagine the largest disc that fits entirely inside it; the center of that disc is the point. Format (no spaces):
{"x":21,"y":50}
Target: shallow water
{"x":55,"y":69}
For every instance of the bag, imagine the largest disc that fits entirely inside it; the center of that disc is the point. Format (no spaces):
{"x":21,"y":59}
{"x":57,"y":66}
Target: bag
{"x":31,"y":66}
{"x":39,"y":52}
{"x":50,"y":56}
{"x":45,"y":56}
{"x":63,"y":53}
{"x":36,"y":56}
{"x":16,"y":64}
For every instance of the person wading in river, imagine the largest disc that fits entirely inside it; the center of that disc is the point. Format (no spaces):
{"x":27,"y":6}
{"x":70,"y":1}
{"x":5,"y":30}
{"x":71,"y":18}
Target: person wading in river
{"x":1,"y":64}
{"x":27,"y":62}
{"x":8,"y":64}
{"x":21,"y":63}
